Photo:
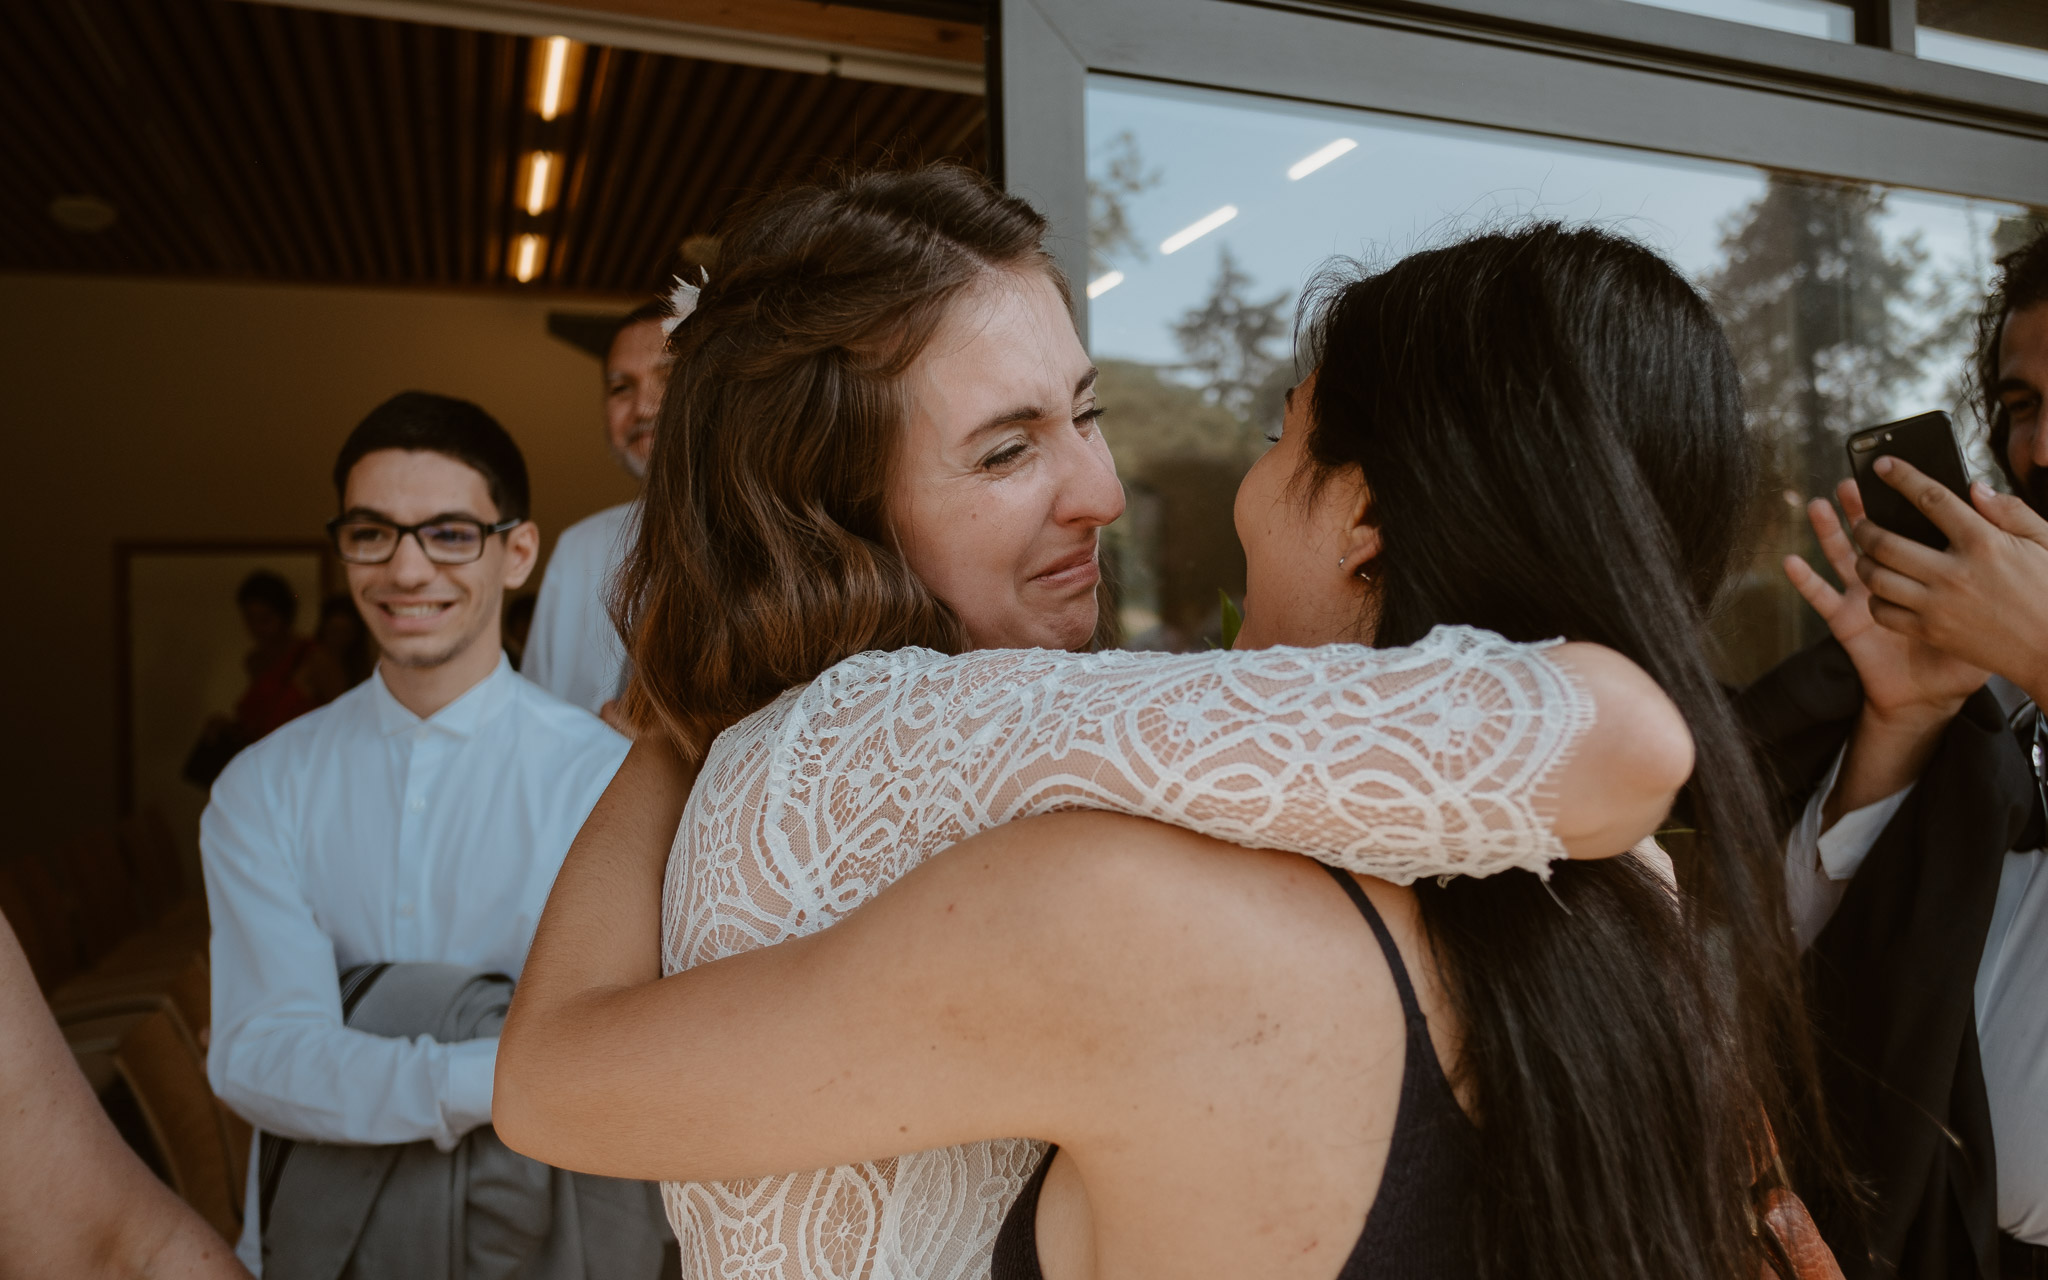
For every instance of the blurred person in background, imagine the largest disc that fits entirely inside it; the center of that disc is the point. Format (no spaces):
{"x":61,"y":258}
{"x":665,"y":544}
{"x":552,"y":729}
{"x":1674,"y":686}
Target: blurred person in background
{"x":573,"y":651}
{"x":1914,"y":745}
{"x":280,"y":686}
{"x":373,"y":873}
{"x":340,"y":658}
{"x":75,"y":1201}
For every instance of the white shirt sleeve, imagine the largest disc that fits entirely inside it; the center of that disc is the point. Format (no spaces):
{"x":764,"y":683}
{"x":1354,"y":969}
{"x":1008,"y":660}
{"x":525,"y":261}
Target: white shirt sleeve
{"x":1819,"y":865}
{"x":279,"y":1054}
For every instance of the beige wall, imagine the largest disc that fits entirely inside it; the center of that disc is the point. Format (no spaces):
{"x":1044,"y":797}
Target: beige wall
{"x":168,"y":409}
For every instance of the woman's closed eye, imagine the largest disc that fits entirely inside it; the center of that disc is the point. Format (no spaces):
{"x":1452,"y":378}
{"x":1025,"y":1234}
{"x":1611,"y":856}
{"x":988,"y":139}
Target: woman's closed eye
{"x":1005,"y":454}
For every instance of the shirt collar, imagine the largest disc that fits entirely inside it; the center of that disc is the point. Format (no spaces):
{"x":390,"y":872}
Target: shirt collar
{"x":462,"y":717}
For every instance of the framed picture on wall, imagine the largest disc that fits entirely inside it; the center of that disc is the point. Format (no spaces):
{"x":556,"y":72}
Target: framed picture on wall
{"x":195,"y":667}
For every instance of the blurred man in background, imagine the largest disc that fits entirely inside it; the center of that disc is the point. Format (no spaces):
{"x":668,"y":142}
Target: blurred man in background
{"x":572,"y":650}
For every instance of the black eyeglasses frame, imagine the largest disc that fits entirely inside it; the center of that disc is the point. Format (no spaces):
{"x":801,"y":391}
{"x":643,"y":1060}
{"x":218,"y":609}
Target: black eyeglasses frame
{"x":403,"y":530}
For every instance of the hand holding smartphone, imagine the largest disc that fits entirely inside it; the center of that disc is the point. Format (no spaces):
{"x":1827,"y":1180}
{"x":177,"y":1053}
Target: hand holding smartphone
{"x":1928,"y":441}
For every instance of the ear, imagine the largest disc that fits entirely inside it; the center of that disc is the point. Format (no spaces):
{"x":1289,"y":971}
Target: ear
{"x":522,"y":552}
{"x":1359,"y":538}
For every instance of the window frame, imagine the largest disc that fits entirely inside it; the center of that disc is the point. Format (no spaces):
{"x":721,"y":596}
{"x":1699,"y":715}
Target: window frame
{"x":1601,"y":71}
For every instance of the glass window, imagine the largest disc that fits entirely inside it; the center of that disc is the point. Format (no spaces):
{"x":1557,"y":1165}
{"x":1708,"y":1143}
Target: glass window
{"x":1848,"y":305}
{"x":2009,"y":37}
{"x":1820,"y":18}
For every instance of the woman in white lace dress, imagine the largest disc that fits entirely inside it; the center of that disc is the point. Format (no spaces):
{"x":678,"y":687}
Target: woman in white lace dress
{"x":1460,"y":752}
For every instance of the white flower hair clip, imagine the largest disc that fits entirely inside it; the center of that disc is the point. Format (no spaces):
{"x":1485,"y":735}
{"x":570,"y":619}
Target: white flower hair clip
{"x":682,"y":300}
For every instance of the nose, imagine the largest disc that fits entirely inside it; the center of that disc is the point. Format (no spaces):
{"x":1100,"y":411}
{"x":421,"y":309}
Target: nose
{"x":409,"y":566}
{"x":1090,"y":495}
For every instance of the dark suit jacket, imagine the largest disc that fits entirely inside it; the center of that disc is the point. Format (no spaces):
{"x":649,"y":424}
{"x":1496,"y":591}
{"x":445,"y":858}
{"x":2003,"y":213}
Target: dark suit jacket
{"x":1890,"y":981}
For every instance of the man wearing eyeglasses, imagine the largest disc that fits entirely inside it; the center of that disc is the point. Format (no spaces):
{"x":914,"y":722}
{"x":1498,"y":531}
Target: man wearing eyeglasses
{"x":418,"y":819}
{"x":1915,"y":870}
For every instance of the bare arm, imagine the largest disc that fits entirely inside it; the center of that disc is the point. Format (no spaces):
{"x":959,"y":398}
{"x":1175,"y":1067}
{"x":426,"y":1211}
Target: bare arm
{"x":597,"y":953}
{"x":991,"y":991}
{"x":1620,"y":781}
{"x":74,"y":1200}
{"x":602,"y":1068}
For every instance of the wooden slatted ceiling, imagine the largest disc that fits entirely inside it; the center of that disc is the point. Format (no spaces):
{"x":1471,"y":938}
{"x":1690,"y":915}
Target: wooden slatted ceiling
{"x":255,"y":141}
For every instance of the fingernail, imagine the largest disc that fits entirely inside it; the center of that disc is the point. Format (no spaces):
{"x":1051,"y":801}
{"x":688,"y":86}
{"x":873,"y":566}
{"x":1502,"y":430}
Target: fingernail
{"x":1981,"y":491}
{"x":1883,"y":465}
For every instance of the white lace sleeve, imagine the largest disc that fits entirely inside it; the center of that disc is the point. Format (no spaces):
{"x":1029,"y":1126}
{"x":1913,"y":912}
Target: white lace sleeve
{"x":1400,"y":763}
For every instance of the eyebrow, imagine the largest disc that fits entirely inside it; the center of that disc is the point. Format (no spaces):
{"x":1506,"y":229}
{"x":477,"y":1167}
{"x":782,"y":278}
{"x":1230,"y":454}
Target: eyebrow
{"x":1032,"y":413}
{"x":2011,"y":384}
{"x":371,"y":513}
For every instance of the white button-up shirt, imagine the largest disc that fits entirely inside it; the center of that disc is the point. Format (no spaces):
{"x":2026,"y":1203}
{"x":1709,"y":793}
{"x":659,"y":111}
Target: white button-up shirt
{"x":360,"y":833}
{"x":2011,"y":993}
{"x":573,"y":651}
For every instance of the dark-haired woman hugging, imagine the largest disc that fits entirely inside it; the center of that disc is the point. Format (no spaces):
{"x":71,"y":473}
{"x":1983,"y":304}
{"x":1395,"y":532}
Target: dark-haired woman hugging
{"x":879,"y":436}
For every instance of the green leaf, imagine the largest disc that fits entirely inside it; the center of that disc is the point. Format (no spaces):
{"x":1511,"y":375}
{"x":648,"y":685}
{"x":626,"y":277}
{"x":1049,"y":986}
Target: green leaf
{"x":1233,"y":621}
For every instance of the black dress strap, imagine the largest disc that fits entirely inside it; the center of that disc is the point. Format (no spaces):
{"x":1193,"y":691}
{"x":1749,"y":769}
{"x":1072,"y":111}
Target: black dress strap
{"x":1016,"y":1255}
{"x":1410,"y":1006}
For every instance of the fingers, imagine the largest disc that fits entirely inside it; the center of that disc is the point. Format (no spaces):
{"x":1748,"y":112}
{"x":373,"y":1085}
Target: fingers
{"x":1889,"y":585}
{"x":1895,"y":618}
{"x":2009,"y":513}
{"x":1949,"y":513}
{"x":1834,"y":540}
{"x":1813,"y":588}
{"x":1851,"y":499}
{"x":1895,"y":551}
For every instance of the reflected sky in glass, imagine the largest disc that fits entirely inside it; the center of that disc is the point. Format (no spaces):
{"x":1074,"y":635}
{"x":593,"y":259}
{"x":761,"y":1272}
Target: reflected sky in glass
{"x":1407,"y":185}
{"x":1822,"y":18}
{"x":1994,"y":56}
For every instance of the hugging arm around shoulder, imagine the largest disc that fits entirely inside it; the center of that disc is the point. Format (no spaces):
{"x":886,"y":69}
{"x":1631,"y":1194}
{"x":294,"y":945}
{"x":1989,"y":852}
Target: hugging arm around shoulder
{"x":1464,"y":753}
{"x":1461,"y":754}
{"x":979,"y":995}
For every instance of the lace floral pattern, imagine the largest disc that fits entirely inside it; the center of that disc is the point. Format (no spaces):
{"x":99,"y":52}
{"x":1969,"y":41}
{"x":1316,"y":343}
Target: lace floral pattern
{"x":1401,"y":763}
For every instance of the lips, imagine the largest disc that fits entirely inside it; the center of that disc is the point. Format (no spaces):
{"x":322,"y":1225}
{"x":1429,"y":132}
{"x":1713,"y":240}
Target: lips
{"x":1076,"y":570}
{"x":413,"y":615}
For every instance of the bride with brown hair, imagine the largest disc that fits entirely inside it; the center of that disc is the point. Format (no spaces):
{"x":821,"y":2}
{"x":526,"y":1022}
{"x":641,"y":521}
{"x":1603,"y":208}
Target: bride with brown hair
{"x":870,"y":543}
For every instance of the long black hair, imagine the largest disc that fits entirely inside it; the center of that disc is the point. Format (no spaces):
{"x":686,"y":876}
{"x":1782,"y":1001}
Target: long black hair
{"x":1551,"y":428}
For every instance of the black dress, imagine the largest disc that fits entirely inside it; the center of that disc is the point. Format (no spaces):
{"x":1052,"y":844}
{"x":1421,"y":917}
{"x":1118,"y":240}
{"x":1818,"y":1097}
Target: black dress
{"x":1419,"y":1226}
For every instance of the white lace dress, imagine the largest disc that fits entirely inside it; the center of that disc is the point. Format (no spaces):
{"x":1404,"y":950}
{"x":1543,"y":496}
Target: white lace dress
{"x":1398,"y":762}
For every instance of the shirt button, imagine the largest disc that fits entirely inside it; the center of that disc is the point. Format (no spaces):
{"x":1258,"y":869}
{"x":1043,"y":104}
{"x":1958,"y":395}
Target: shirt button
{"x":405,"y":907}
{"x":420,"y":734}
{"x":416,"y":804}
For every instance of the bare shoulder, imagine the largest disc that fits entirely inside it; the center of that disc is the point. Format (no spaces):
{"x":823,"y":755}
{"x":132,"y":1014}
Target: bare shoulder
{"x":1154,"y":934}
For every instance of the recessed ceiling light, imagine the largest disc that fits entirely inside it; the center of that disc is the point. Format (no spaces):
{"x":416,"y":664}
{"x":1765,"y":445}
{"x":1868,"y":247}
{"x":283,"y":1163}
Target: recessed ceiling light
{"x":539,"y":185}
{"x":526,"y":256}
{"x":88,"y":214}
{"x":556,"y":62}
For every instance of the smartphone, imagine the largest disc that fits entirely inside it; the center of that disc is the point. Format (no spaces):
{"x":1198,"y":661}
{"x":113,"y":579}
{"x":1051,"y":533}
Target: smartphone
{"x":1929,"y":443}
